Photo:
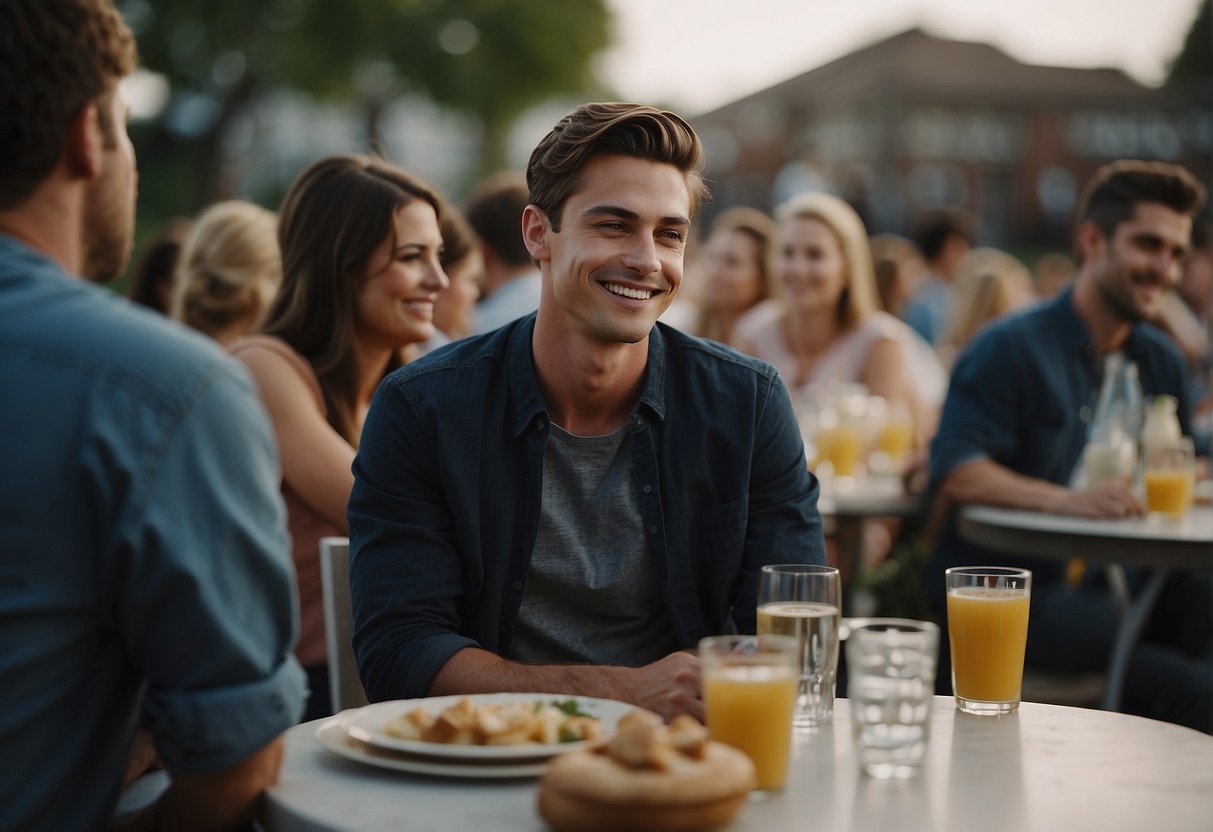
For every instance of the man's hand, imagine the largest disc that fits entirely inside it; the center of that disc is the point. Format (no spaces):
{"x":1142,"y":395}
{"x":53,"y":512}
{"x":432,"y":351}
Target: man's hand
{"x":210,"y":802}
{"x":143,"y":758}
{"x":669,"y":687}
{"x":1101,"y":501}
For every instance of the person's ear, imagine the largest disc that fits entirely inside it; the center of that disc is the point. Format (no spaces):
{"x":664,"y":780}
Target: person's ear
{"x":85,"y":143}
{"x":535,"y":230}
{"x":1090,"y":239}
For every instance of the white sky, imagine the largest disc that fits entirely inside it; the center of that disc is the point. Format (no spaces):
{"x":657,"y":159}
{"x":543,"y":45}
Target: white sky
{"x":696,"y":55}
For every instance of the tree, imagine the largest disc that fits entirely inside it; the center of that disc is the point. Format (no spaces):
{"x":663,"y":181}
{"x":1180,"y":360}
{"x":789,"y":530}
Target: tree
{"x":495,"y":58}
{"x":490,"y":58}
{"x":1192,"y":68}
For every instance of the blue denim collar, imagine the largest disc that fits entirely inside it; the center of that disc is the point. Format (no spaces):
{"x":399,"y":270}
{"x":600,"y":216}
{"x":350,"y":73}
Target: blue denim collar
{"x":524,"y":387}
{"x":1075,"y":335}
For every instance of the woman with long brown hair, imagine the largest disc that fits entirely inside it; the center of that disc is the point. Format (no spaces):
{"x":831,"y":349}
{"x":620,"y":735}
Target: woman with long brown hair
{"x":360,"y":244}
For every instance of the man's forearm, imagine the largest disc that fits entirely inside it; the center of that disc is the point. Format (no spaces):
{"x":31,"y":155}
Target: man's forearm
{"x":473,"y":670}
{"x":212,"y":802}
{"x":985,"y":481}
{"x":668,"y":686}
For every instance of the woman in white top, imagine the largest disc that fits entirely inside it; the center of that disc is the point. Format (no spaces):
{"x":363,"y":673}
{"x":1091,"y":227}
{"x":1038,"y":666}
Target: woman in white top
{"x":829,"y":329}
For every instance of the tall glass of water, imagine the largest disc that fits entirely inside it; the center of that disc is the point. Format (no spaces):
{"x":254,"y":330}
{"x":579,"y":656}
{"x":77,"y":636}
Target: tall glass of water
{"x":803,"y":601}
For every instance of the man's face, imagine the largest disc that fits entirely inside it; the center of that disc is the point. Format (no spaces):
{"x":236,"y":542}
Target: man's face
{"x":109,"y":210}
{"x":1141,"y":260}
{"x":616,"y":263}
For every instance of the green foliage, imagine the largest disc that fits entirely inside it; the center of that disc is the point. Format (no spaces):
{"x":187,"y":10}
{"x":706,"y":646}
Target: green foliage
{"x":1192,"y":68}
{"x":897,"y":583}
{"x":488,"y":58}
{"x":523,"y":52}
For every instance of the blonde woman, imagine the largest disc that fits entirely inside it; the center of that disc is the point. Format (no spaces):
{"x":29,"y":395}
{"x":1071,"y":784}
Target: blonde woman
{"x":991,"y":283}
{"x":229,"y":271}
{"x":830,"y":329}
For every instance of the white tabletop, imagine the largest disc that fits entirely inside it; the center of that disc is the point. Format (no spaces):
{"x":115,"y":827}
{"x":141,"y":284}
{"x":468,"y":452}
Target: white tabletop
{"x":873,"y":497}
{"x":1046,"y":768}
{"x":1185,"y":543}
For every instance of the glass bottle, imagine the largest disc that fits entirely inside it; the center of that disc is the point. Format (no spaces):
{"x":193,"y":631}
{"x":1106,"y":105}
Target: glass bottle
{"x":1110,"y":455}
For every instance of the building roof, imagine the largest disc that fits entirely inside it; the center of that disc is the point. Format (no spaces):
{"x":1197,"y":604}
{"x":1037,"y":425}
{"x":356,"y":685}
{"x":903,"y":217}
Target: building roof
{"x":917,"y":65}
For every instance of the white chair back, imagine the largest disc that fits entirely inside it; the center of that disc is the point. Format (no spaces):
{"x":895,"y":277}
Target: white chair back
{"x":344,"y":685}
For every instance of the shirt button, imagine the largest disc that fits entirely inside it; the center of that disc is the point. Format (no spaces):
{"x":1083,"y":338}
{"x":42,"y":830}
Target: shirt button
{"x":540,"y":424}
{"x":1085,"y":414}
{"x":652,"y":530}
{"x":648,"y":489}
{"x":517,"y":586}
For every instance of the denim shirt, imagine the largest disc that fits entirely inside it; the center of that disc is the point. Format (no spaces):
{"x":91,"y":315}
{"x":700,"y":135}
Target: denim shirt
{"x":1023,"y":394}
{"x":448,"y":477}
{"x":144,"y":562}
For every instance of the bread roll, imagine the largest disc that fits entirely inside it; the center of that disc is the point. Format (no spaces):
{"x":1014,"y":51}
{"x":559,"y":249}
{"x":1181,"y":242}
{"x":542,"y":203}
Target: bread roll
{"x":592,"y":791}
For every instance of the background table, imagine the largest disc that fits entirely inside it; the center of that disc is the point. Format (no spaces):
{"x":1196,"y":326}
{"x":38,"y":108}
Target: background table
{"x":844,"y":514}
{"x":1045,"y":768}
{"x":1157,"y":545}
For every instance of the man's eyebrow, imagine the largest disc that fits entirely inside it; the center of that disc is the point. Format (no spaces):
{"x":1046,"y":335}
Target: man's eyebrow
{"x":626,"y":214}
{"x":1154,"y":239}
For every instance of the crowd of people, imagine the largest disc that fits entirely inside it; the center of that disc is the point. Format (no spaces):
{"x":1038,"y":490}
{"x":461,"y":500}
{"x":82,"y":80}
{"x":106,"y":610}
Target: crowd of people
{"x":553,"y":478}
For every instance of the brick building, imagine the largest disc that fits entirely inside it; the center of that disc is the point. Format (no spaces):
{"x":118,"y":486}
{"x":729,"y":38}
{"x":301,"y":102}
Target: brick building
{"x":915,"y":120}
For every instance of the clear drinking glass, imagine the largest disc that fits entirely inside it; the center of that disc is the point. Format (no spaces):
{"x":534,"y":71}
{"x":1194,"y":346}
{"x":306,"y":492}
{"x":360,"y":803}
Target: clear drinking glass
{"x":988,"y":631}
{"x":890,"y":682}
{"x":803,"y":601}
{"x":749,"y":690}
{"x":1170,"y":478}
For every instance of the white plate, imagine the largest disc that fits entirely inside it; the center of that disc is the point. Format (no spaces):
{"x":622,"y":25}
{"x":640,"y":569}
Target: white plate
{"x":366,"y":724}
{"x":333,"y":736}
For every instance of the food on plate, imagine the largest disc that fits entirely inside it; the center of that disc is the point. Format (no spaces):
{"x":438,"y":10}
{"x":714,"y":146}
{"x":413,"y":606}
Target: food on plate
{"x":493,"y":723}
{"x":648,"y":777}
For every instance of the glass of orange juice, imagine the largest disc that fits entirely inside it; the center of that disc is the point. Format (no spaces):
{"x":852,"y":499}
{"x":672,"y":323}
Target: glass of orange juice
{"x":749,"y":690}
{"x":896,"y":434}
{"x":988,"y":630}
{"x":1170,"y":475}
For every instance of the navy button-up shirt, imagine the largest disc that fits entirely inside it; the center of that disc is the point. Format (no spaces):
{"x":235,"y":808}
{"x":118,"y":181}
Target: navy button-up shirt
{"x":448,"y":479}
{"x":1016,"y":397}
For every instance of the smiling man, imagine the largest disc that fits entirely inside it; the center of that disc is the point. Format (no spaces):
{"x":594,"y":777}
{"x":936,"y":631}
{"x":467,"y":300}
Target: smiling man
{"x":568,"y":504}
{"x":1016,"y":420}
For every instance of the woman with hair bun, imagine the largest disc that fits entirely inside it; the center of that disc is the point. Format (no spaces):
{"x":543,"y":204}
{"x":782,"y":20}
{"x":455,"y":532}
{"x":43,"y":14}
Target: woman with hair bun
{"x":228,"y":272}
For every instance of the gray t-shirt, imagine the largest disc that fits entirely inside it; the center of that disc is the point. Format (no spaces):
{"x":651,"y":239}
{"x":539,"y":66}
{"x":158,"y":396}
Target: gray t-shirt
{"x":592,"y":593}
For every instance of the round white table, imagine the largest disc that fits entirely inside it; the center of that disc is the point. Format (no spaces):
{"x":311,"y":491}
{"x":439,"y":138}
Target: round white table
{"x":1159,"y":546}
{"x":1046,"y":768}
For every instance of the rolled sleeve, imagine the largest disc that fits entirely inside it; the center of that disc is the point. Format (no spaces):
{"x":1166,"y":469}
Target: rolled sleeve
{"x":205,"y":731}
{"x":204,"y":589}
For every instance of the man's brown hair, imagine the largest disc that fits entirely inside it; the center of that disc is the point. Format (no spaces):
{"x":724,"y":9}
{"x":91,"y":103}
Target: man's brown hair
{"x":56,"y":56}
{"x":554,"y":171}
{"x":1116,"y":189}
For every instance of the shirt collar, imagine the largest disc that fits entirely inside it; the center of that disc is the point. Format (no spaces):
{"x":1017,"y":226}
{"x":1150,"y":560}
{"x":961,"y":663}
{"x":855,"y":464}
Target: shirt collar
{"x":1075,"y":334}
{"x":524,"y":387}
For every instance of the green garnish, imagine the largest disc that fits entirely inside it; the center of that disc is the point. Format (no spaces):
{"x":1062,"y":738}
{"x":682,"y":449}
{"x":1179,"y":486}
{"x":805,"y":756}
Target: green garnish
{"x":568,"y":735}
{"x":569,"y":707}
